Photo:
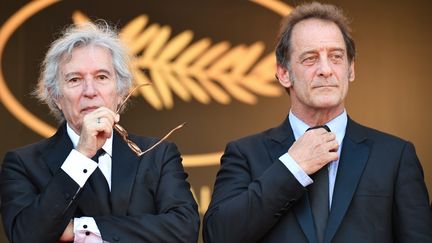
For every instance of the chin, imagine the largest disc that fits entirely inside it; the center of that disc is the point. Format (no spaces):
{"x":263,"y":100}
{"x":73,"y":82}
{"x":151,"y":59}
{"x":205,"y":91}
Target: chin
{"x":327,"y":103}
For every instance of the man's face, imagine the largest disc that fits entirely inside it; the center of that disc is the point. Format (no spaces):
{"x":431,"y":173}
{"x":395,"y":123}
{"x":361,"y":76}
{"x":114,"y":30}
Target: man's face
{"x":319,"y":68}
{"x":87,"y":82}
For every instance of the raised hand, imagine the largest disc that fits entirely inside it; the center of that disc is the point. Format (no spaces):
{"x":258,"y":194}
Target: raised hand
{"x":96,"y":128}
{"x":314,"y":149}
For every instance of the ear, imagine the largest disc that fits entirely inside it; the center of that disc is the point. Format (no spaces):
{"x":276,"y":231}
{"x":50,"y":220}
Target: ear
{"x":282,"y":76}
{"x":351,"y":74}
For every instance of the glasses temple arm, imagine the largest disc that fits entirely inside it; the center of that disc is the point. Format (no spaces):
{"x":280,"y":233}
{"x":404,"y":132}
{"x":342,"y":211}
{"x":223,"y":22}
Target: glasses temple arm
{"x":129,"y":95}
{"x":164,"y":138}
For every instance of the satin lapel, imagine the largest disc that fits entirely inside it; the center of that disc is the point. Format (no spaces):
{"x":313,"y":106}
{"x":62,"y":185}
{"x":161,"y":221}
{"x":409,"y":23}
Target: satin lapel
{"x":60,"y":147}
{"x":278,"y":141}
{"x":123,"y":173}
{"x":354,"y":156}
{"x":56,"y":155}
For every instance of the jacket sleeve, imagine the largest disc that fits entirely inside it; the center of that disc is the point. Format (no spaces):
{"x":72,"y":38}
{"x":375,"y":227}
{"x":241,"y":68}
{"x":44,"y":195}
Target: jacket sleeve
{"x":176,"y":219}
{"x":244,"y":208}
{"x":30,"y":214}
{"x":412,"y":216}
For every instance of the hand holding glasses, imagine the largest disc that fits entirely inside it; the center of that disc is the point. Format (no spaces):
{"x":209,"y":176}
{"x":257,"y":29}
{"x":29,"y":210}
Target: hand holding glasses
{"x":124,"y":134}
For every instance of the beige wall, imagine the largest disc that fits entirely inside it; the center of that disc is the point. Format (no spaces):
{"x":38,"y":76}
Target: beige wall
{"x":392,"y":91}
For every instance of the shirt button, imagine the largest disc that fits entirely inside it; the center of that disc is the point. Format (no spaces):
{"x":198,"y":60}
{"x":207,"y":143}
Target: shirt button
{"x":87,"y":233}
{"x":85,"y":171}
{"x":85,"y":226}
{"x":116,"y":238}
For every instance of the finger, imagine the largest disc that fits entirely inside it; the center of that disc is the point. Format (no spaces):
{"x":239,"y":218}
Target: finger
{"x":106,"y":115}
{"x":102,"y":111}
{"x":332,"y":146}
{"x":107,"y":131}
{"x":317,"y":131}
{"x":322,"y":130}
{"x":104,"y":126}
{"x":106,"y":119}
{"x":331,"y":156}
{"x":329,"y":136}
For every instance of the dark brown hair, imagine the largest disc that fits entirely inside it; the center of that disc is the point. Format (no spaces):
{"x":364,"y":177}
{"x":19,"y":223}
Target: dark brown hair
{"x":312,"y":10}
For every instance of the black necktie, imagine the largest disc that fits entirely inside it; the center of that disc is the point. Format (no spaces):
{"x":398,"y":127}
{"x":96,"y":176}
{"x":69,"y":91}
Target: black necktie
{"x":319,"y":196}
{"x":98,"y":181}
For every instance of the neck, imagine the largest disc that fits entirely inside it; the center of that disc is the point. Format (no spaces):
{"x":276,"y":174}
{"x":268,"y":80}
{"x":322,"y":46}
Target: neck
{"x":317,"y":117}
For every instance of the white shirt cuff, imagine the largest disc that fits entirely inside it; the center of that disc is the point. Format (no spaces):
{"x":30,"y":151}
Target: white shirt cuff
{"x":86,"y":224}
{"x":86,"y":230}
{"x":79,"y":167}
{"x":296,"y":170}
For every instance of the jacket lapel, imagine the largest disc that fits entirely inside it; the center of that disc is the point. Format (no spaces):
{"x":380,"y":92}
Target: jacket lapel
{"x":279,"y":141}
{"x":55,"y":155}
{"x":354,"y":155}
{"x":124,"y":167}
{"x":303,"y":212}
{"x":58,"y":150}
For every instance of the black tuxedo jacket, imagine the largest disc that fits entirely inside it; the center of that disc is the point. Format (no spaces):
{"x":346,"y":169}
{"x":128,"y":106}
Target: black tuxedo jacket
{"x":150,"y":200}
{"x":379,"y":194}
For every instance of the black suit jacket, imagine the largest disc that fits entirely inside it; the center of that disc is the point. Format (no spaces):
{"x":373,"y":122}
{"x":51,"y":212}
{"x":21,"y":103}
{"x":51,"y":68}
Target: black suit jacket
{"x":150,"y":197}
{"x":379,"y":193}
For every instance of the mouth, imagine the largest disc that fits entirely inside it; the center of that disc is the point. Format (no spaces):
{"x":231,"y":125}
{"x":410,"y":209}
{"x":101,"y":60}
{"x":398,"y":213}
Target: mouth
{"x":89,"y":109}
{"x":325,"y":86}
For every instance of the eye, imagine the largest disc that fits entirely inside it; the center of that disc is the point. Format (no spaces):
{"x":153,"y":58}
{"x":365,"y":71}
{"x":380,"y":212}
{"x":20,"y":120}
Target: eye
{"x":73,"y":81}
{"x":102,"y":77}
{"x":337,"y":57}
{"x":309,"y":60}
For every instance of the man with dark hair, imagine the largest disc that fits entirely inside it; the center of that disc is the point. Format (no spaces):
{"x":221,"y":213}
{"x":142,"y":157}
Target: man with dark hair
{"x":90,"y":182}
{"x":319,"y":176}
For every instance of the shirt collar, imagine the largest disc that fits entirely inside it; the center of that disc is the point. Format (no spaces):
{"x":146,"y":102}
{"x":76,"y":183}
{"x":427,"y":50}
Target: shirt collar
{"x":75,"y":138}
{"x":337,"y":125}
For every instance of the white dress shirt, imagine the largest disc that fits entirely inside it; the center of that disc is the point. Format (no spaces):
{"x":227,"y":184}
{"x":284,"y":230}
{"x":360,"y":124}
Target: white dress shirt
{"x":79,"y":167}
{"x":338,"y":127}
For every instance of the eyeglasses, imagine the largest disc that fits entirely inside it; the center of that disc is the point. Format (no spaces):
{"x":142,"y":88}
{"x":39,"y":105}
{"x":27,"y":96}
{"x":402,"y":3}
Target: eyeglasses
{"x":124,"y":134}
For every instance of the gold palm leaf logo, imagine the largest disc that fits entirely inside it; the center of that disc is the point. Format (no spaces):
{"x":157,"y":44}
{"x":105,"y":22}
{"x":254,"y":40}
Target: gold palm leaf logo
{"x":202,"y":70}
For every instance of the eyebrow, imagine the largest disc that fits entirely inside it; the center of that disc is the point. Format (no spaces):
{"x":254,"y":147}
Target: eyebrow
{"x":71,"y":74}
{"x":337,"y":49}
{"x":307,"y":53}
{"x":103,"y":71}
{"x":315,"y":52}
{"x":67,"y":75}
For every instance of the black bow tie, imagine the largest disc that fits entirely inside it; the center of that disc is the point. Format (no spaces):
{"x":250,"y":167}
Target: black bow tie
{"x":100,"y":152}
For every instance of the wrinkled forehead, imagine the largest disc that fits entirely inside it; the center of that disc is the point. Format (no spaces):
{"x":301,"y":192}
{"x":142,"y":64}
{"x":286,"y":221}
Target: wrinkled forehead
{"x":316,"y":35}
{"x":88,"y":60}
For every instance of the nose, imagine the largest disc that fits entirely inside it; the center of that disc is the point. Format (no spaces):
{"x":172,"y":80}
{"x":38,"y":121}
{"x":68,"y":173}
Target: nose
{"x":89,"y":88}
{"x":324,"y":68}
